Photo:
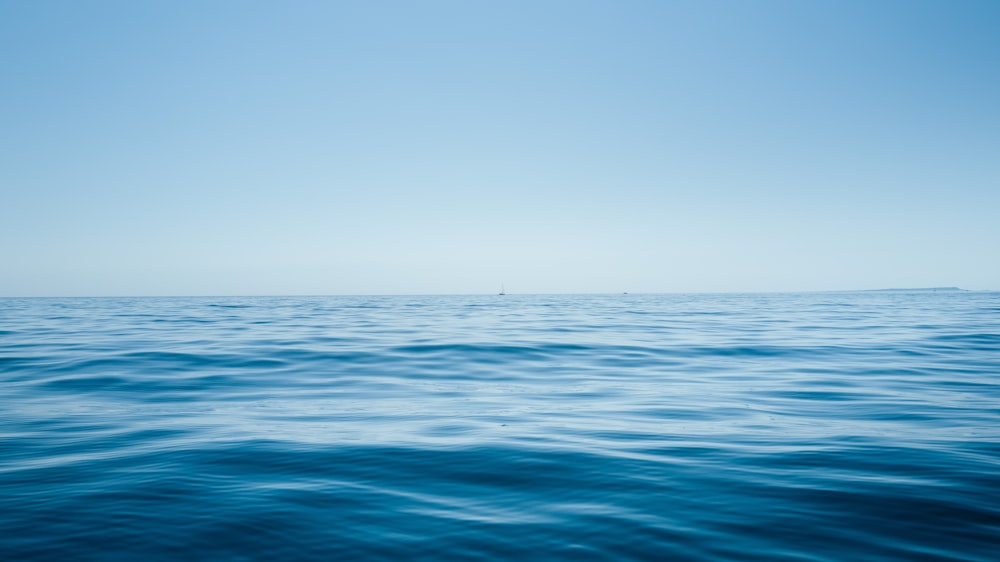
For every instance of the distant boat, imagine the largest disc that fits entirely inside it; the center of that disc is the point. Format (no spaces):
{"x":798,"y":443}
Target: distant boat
{"x":501,"y":290}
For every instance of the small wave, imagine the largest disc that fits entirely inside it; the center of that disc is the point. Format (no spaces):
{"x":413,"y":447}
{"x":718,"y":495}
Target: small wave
{"x":498,"y":352}
{"x":986,"y":340}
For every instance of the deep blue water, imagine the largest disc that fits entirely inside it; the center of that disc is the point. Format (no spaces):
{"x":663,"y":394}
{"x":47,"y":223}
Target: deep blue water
{"x":805,"y":427}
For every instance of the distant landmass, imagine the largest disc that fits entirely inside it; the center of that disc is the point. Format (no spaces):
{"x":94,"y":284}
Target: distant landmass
{"x":922,"y":289}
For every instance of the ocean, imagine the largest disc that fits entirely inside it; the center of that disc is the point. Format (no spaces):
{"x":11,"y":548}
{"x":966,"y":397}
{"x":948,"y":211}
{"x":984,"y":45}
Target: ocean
{"x":780,"y":427}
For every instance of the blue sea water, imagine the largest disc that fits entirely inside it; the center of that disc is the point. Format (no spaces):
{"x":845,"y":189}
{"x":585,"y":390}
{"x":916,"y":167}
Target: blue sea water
{"x":778,"y":427}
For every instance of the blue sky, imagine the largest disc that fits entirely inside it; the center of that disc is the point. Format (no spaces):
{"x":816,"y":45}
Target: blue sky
{"x":239,"y":147}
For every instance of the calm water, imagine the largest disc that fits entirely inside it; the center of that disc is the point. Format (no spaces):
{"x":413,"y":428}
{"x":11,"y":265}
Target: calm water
{"x":806,"y":427}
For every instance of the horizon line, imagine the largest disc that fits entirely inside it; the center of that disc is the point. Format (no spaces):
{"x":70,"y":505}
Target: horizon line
{"x":318,"y":295}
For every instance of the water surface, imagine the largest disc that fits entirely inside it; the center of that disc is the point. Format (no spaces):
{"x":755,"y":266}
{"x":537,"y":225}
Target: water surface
{"x":805,"y":427}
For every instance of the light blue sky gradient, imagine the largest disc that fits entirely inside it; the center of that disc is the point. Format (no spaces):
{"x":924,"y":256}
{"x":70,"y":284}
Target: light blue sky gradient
{"x":170,"y":147}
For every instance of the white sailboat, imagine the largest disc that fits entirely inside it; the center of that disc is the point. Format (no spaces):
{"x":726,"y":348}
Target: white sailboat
{"x":501,"y":290}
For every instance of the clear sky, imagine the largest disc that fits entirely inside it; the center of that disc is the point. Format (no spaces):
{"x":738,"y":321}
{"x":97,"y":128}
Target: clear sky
{"x":210,"y":147}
